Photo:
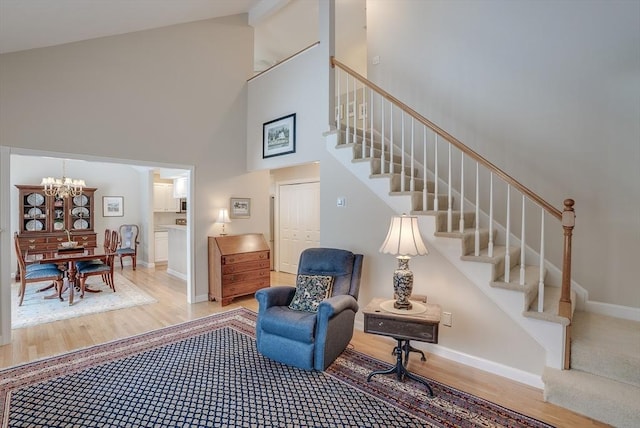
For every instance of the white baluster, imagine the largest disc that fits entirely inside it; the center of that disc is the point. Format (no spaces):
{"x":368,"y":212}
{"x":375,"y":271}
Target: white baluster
{"x":383,"y":143}
{"x":402,"y":155}
{"x":424,"y":169}
{"x":541,"y":273}
{"x":412,"y":185}
{"x":391,"y":149}
{"x":355,"y":110}
{"x":370,"y":113}
{"x":490,"y":247}
{"x":449,"y":196}
{"x":522,"y":245}
{"x":461,"y":220}
{"x":507,"y":256}
{"x":435,"y":173}
{"x":346,"y":113}
{"x":339,"y":108}
{"x":364,"y":127}
{"x":477,"y":220}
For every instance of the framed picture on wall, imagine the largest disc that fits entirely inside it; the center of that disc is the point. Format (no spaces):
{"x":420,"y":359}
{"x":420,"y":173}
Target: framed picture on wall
{"x":112,"y":206}
{"x":279,"y":136}
{"x":240,"y":208}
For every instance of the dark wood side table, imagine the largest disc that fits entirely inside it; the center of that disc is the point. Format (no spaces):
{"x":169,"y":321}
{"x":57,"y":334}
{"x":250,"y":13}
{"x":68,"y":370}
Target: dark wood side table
{"x":422,"y":327}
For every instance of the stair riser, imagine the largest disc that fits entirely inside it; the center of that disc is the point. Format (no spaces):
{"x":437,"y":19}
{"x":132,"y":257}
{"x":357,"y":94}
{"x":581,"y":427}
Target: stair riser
{"x":498,"y":269}
{"x":417,"y":200}
{"x":376,"y":168}
{"x":442,"y":218}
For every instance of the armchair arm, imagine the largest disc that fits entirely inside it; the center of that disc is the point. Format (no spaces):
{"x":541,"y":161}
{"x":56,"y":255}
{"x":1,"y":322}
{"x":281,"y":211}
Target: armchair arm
{"x":274,"y":296}
{"x":336,"y":304}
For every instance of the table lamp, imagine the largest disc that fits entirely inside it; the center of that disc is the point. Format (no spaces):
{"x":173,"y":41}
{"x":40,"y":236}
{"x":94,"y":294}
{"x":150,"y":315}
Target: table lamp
{"x":223,"y":218}
{"x":403,"y":240}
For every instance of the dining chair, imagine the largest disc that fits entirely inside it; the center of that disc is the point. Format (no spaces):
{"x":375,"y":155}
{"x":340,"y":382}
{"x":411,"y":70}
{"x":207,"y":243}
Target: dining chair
{"x":128,"y":243}
{"x":35,"y":272}
{"x":102,"y":268}
{"x":105,"y":244}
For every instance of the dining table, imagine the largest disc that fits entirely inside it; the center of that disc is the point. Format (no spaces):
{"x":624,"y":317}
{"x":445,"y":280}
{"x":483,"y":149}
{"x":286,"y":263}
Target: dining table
{"x":67,"y":258}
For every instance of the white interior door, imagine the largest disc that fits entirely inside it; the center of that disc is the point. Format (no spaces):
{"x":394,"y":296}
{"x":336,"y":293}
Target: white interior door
{"x":299,"y":222}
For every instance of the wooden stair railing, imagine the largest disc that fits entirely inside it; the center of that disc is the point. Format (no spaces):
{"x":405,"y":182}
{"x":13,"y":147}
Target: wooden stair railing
{"x":362,"y":120}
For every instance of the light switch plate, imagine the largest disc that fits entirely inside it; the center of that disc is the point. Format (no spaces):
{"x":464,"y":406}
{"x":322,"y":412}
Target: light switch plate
{"x":341,"y":202}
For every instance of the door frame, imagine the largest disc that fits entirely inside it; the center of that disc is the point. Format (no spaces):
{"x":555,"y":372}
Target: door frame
{"x":5,"y":216}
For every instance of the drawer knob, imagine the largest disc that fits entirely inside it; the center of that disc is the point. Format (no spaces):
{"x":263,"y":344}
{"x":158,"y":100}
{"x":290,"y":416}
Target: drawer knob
{"x":84,"y":238}
{"x":59,"y":239}
{"x":32,"y":247}
{"x":381,"y":323}
{"x":32,"y":240}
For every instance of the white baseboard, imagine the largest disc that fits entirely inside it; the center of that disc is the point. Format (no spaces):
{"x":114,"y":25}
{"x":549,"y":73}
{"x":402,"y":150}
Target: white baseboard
{"x":492,"y":367}
{"x":177,"y":274}
{"x":202,"y":298}
{"x":617,"y":311}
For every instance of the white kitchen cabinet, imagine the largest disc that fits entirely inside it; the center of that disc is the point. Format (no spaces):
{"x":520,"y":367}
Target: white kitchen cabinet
{"x":161,"y":246}
{"x":163,"y":200}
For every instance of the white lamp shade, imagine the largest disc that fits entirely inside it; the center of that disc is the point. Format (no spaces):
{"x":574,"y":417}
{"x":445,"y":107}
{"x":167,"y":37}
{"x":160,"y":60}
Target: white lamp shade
{"x":223,"y":216}
{"x":403,"y":238}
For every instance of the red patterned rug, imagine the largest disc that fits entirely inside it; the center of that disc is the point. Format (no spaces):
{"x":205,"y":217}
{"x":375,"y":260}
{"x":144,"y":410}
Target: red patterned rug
{"x":207,"y":373}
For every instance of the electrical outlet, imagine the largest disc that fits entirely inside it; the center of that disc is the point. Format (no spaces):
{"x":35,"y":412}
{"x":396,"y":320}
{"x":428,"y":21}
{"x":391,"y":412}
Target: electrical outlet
{"x":341,"y":202}
{"x":446,"y":319}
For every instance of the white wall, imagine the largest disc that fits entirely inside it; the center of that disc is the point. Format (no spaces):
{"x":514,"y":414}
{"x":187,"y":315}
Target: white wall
{"x":295,"y":86}
{"x":549,"y":92}
{"x":160,"y":95}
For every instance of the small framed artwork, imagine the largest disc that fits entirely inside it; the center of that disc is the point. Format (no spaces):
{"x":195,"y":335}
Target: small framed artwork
{"x":112,"y":206}
{"x":351,"y":109}
{"x":240,"y":208}
{"x":362,"y":110}
{"x":279,"y":136}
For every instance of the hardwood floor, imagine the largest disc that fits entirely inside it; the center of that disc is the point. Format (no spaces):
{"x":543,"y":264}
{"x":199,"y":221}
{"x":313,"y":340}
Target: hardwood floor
{"x":41,"y":341}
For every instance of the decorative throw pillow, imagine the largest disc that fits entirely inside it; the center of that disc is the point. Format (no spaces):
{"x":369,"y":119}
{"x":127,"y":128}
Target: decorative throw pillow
{"x":310,"y":291}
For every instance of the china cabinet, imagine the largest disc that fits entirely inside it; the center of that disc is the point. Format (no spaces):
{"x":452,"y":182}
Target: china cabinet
{"x":46,"y":221}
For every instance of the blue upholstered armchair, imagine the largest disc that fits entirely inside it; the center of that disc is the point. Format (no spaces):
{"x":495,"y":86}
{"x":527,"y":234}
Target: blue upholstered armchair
{"x":304,"y":339}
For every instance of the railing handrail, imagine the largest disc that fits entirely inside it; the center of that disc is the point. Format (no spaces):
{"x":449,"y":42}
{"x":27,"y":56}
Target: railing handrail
{"x":283,"y":61}
{"x":450,"y":138}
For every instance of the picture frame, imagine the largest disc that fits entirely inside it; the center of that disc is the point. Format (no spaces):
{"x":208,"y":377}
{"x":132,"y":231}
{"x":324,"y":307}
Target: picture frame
{"x":351,"y":109}
{"x":239,"y":207}
{"x":112,"y":206}
{"x":279,"y":136}
{"x":362,"y":111}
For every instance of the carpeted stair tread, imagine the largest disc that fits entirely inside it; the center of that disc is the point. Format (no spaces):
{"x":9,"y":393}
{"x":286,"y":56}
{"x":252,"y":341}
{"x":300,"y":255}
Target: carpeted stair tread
{"x":603,"y":399}
{"x":607,"y":346}
{"x":498,"y":255}
{"x":551,"y":305}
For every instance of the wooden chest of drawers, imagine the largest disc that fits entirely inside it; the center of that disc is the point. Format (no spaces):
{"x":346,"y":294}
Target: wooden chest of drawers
{"x":238,"y":265}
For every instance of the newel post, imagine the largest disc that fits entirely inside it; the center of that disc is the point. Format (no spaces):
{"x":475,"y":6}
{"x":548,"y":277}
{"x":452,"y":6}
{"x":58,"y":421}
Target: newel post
{"x":564,"y":309}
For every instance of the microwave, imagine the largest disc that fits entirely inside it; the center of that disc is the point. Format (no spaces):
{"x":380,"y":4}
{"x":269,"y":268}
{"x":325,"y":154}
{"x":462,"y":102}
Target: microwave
{"x":183,"y":205}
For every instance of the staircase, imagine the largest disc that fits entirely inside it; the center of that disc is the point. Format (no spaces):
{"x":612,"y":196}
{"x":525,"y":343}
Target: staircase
{"x":410,"y":174}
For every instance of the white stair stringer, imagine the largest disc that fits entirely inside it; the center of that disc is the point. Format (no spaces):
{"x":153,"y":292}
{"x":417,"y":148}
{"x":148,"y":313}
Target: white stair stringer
{"x":550,"y":335}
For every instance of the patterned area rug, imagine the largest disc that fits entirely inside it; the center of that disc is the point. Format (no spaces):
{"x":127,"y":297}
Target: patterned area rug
{"x":37,"y":310}
{"x":207,"y":373}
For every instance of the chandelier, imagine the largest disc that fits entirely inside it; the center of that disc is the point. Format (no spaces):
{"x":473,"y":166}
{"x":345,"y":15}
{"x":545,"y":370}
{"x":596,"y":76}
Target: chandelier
{"x":62,"y":187}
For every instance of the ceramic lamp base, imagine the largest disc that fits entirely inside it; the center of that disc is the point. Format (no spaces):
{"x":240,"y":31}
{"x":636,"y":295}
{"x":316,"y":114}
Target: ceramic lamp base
{"x":403,"y":284}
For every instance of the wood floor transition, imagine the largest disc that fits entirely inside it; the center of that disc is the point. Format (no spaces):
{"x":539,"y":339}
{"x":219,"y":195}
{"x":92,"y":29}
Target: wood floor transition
{"x":41,"y":341}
